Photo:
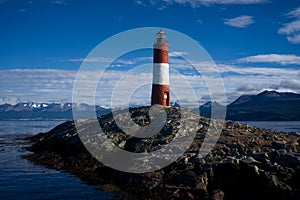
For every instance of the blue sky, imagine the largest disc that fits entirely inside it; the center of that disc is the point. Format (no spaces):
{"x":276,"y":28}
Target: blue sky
{"x":255,"y":43}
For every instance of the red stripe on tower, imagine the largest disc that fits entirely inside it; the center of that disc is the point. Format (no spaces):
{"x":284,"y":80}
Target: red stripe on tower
{"x":160,"y":85}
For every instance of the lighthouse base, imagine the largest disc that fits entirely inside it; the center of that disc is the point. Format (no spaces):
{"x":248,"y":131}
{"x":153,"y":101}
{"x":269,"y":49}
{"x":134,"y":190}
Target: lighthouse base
{"x":160,"y":95}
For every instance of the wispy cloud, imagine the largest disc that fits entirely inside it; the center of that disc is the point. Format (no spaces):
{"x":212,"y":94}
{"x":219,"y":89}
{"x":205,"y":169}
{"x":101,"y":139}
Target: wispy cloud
{"x":140,"y":3}
{"x":175,"y":57}
{"x":197,"y":3}
{"x":58,"y":2}
{"x":96,"y":60}
{"x":295,"y":39}
{"x":242,"y":21}
{"x":241,"y":2}
{"x":177,"y":53}
{"x":30,"y":5}
{"x":22,"y":10}
{"x":252,"y":71}
{"x":103,"y":60}
{"x":3,"y":1}
{"x":294,"y":13}
{"x":292,"y":29}
{"x":283,"y":59}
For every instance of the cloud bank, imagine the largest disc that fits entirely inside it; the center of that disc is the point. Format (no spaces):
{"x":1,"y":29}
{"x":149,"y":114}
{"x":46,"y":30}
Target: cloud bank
{"x":45,"y":85}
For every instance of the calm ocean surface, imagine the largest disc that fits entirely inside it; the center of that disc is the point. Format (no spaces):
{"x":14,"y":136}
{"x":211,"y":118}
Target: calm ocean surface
{"x":20,"y":179}
{"x":286,"y":126}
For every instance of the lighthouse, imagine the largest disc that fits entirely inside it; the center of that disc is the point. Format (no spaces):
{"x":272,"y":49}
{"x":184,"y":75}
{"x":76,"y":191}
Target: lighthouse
{"x":160,"y":84}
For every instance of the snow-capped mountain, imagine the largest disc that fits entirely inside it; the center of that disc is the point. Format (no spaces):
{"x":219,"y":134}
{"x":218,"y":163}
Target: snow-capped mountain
{"x":47,"y":110}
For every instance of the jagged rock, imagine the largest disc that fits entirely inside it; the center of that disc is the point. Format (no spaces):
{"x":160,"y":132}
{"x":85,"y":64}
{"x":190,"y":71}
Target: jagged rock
{"x":246,"y":162}
{"x":217,"y":195}
{"x":231,"y":160}
{"x":278,"y":144}
{"x":261,"y":157}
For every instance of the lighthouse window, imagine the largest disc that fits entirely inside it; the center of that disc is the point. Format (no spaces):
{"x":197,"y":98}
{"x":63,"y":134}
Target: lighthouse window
{"x":166,"y":98}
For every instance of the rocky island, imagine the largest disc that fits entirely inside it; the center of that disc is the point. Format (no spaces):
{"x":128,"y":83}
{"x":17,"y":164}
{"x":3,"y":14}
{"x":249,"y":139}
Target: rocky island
{"x":246,"y":162}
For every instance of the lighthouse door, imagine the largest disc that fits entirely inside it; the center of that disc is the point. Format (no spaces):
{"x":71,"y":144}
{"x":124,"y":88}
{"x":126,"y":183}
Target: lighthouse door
{"x":166,"y":99}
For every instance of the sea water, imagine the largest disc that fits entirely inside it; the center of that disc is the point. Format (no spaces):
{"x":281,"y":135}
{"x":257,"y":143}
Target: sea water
{"x":286,"y":126}
{"x":21,"y":179}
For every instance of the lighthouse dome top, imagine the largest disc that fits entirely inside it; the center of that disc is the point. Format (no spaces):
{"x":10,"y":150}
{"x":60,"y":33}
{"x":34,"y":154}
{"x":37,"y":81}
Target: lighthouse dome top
{"x":161,"y":37}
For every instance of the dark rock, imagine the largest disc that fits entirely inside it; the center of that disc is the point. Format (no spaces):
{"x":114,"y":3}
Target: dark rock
{"x":239,"y":147}
{"x":278,"y":144}
{"x":261,"y":157}
{"x":242,"y":165}
{"x":216,"y":195}
{"x":187,"y":178}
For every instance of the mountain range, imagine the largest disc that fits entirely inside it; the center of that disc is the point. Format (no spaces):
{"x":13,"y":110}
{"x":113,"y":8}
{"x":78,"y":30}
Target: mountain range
{"x":48,"y":110}
{"x":265,"y":106}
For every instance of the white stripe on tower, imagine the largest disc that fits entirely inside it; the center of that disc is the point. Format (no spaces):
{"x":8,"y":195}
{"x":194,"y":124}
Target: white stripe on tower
{"x":161,"y":73}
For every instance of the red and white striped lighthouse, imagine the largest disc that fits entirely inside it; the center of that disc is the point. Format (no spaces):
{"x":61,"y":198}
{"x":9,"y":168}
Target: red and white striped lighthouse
{"x":160,"y":84}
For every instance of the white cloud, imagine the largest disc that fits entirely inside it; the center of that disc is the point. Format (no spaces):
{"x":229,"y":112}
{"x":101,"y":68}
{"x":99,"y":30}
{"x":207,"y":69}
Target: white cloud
{"x":242,"y":21}
{"x":283,"y":59}
{"x":140,"y":3}
{"x":96,"y":60}
{"x":241,"y":2}
{"x":234,"y":1}
{"x":290,"y":84}
{"x":162,"y":4}
{"x":294,"y":13}
{"x":177,"y":53}
{"x":199,"y":21}
{"x":196,"y":3}
{"x":264,"y":71}
{"x":58,"y":2}
{"x":240,"y":80}
{"x":174,"y":58}
{"x":248,"y":88}
{"x":36,"y":84}
{"x":57,"y":86}
{"x":104,"y":60}
{"x":292,"y":29}
{"x":45,"y":85}
{"x":295,"y":39}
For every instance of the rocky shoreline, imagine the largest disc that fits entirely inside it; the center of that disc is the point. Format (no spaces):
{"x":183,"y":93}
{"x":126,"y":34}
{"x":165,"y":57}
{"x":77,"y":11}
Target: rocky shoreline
{"x":246,"y":162}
